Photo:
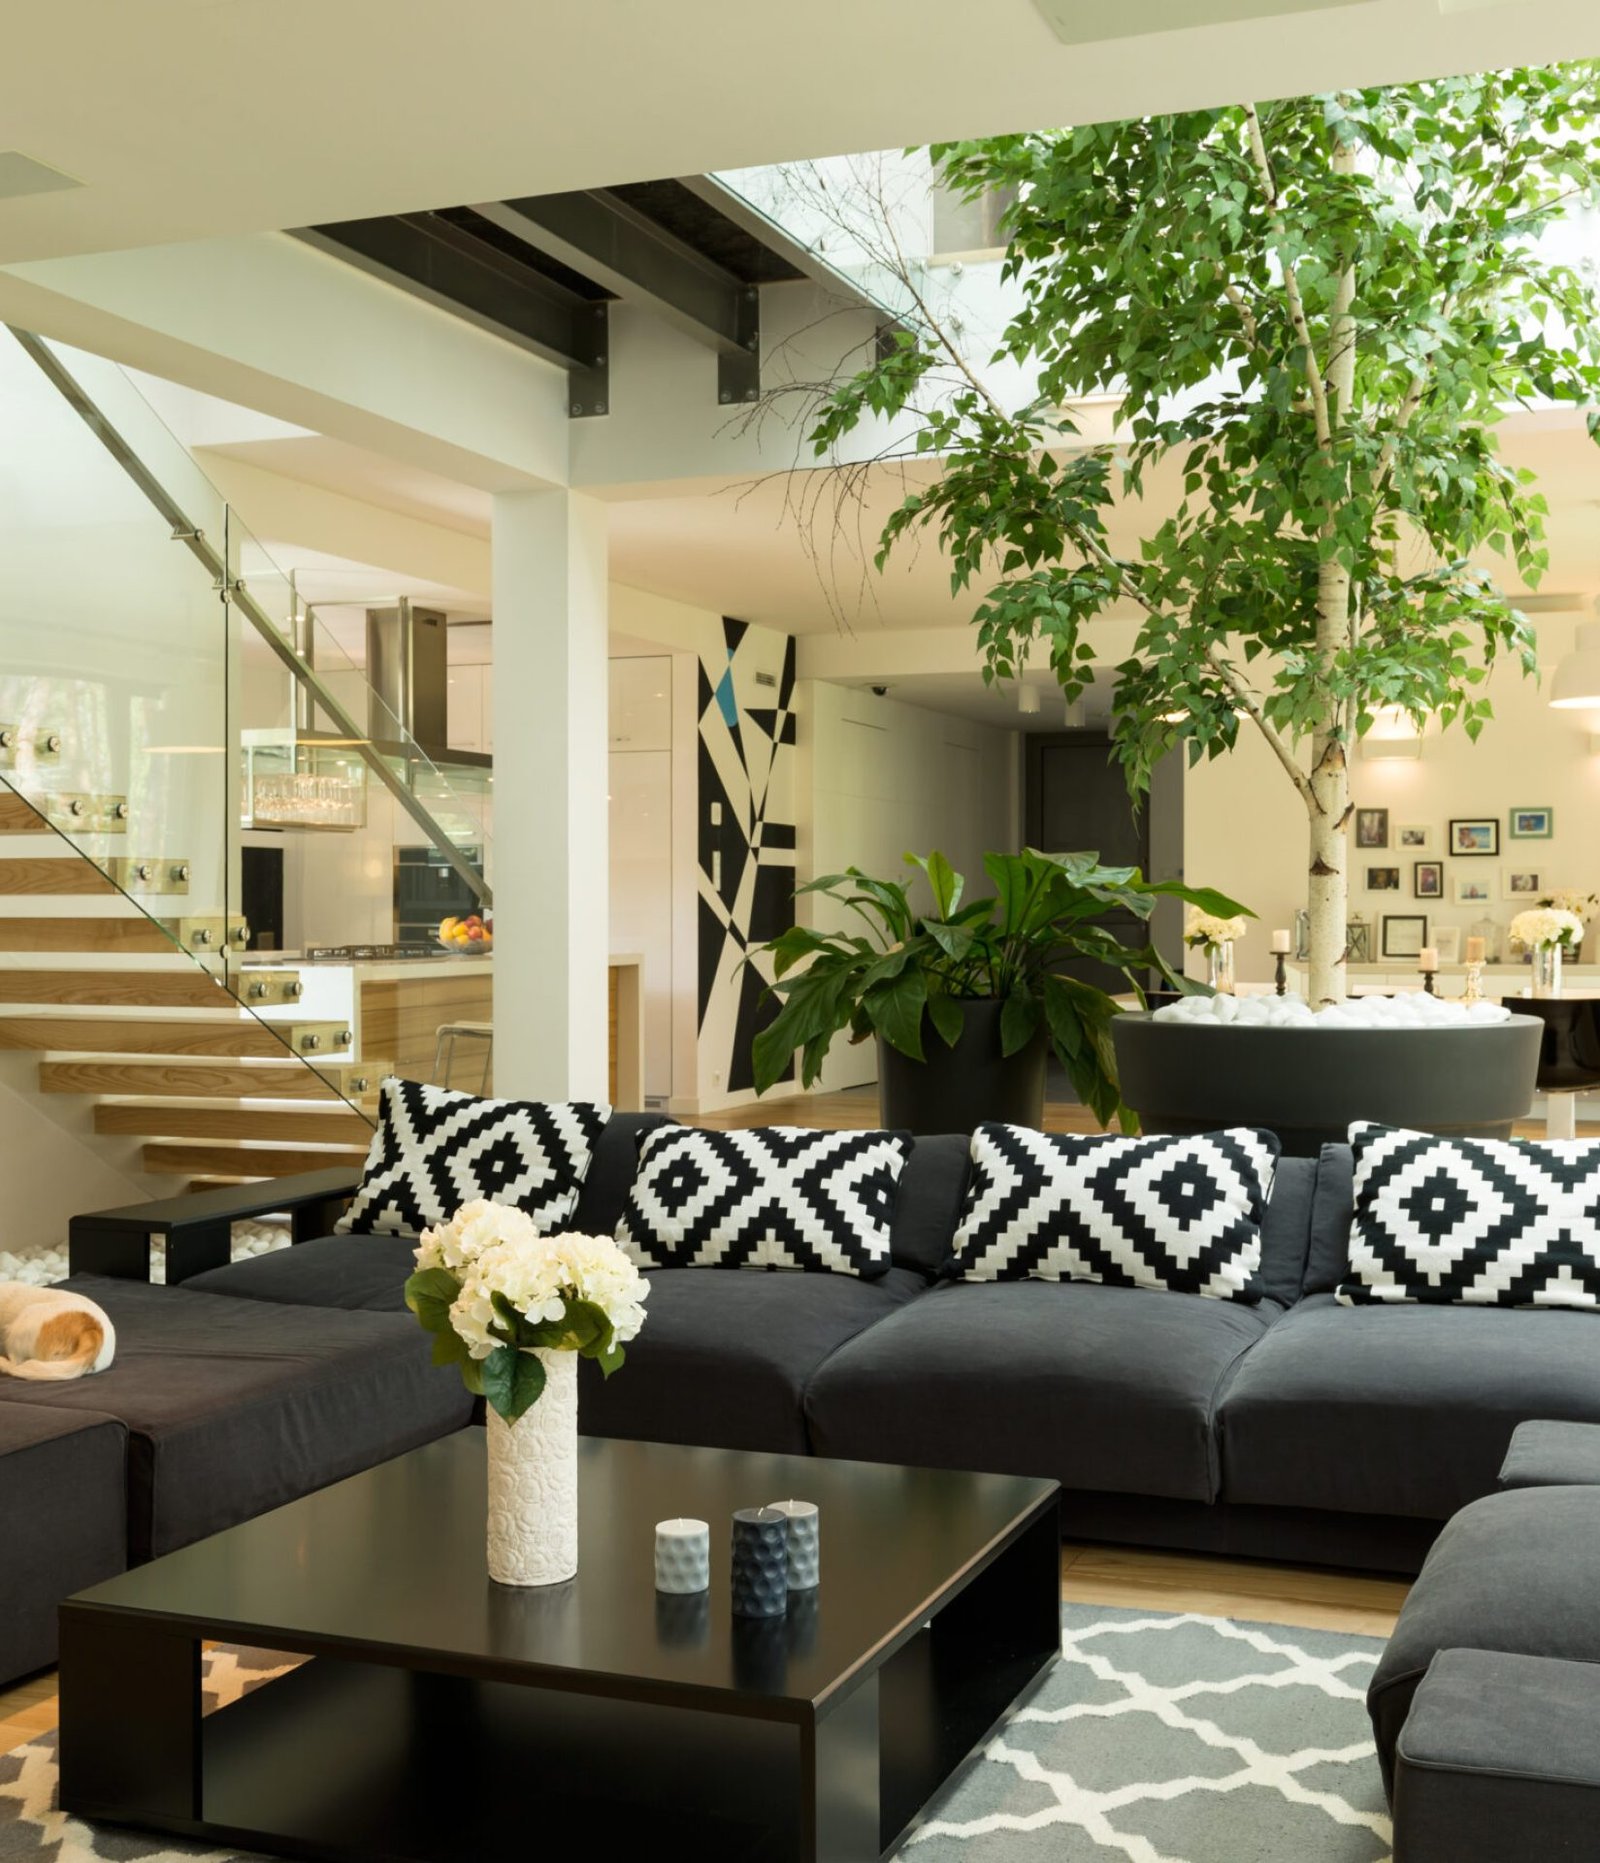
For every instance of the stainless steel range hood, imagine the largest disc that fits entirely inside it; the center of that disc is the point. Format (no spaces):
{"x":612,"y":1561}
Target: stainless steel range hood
{"x":408,"y":673}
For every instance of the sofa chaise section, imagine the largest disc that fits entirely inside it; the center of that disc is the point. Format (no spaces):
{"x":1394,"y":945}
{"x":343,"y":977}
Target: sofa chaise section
{"x":232,"y":1407}
{"x":63,"y":1520}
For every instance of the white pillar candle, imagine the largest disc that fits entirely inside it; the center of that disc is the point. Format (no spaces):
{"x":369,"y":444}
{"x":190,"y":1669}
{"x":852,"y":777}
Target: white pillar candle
{"x":683,"y":1556}
{"x":1428,"y":958}
{"x":805,"y":1542}
{"x":1281,"y":942}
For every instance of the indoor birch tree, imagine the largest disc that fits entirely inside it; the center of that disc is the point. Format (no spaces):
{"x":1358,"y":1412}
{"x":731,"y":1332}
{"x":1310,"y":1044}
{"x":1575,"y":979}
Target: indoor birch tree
{"x":1315,"y":314}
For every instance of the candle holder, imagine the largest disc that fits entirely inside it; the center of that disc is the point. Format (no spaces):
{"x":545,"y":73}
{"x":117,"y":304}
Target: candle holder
{"x":1474,"y":990}
{"x":1428,"y":983}
{"x":1280,"y":982}
{"x":760,"y":1562}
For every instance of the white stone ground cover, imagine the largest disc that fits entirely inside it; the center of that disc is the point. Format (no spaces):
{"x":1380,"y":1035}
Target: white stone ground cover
{"x":39,"y":1267}
{"x":1414,"y":1009}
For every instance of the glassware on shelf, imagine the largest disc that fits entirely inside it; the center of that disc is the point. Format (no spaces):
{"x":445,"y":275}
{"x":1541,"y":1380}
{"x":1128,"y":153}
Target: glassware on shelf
{"x":1219,"y":967}
{"x":1547,"y":969}
{"x":1489,"y":931}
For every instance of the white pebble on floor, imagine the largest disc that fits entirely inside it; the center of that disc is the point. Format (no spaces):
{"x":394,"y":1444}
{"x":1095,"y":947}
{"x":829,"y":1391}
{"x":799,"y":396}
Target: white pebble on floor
{"x":40,"y":1267}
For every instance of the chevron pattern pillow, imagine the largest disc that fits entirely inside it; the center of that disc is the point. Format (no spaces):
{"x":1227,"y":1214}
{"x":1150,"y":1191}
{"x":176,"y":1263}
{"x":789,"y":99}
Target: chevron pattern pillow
{"x":1182,"y":1214}
{"x":775,"y":1197}
{"x":1473,"y":1222}
{"x":435,"y":1150}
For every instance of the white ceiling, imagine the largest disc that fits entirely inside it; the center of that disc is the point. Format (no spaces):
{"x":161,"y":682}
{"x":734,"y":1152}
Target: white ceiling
{"x":188,"y":118}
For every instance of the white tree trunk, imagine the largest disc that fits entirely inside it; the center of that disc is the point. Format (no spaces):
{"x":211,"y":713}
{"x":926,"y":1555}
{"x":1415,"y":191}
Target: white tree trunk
{"x":1328,"y":882}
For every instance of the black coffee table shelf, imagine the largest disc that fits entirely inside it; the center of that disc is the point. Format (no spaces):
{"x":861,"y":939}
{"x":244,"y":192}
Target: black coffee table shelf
{"x":445,"y":1717}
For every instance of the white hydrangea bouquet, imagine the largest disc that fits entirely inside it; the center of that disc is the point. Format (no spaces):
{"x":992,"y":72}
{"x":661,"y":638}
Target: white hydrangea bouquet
{"x":1543,"y":926}
{"x":496,"y":1294}
{"x":1204,"y":930}
{"x":1583,"y":906}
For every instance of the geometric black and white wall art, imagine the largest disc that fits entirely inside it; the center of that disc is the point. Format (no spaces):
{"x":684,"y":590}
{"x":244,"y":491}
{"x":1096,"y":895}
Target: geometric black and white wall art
{"x":746,"y":854}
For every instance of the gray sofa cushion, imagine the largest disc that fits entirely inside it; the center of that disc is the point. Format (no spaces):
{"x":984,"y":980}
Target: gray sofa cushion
{"x":358,"y":1273}
{"x":1398,"y":1410}
{"x":929,"y":1204}
{"x":1514,"y":1572}
{"x":1552,"y":1455}
{"x":724,"y":1358}
{"x":1498,"y":1762}
{"x":236,"y":1406}
{"x":1107,"y":1388}
{"x":1286,"y":1230}
{"x":1332,"y":1213}
{"x":63,"y":1520}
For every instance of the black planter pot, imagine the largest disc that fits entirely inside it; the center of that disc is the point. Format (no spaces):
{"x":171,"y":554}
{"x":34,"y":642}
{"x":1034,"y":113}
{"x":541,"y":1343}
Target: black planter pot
{"x":1307,"y":1085}
{"x":956,"y":1089}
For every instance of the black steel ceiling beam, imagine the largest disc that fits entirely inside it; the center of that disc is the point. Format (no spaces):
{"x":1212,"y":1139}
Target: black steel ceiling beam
{"x":640,"y":262}
{"x":445,"y":265}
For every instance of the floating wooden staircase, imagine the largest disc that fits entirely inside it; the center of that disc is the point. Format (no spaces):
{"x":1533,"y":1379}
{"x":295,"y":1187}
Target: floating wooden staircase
{"x":120,"y":1016}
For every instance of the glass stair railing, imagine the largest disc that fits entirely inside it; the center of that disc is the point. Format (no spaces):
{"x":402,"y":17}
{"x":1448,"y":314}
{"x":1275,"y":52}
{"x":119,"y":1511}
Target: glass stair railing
{"x":157,"y":703}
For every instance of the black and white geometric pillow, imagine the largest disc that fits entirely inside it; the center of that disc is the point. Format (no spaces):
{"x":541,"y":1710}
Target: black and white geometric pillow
{"x":1473,"y":1222}
{"x":1183,"y":1214}
{"x":435,"y":1150}
{"x":774,"y":1197}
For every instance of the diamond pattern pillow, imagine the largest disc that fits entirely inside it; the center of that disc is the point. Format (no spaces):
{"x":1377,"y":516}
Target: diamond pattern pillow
{"x":1473,"y":1222}
{"x":1183,"y":1214}
{"x":435,"y":1150}
{"x":775,"y":1197}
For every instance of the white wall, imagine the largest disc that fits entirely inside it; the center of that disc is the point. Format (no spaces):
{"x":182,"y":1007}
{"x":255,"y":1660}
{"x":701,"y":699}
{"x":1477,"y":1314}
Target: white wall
{"x":1245,"y":828}
{"x":880,"y":779}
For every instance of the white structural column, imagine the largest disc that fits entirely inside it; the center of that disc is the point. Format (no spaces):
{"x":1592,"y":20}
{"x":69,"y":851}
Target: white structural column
{"x":550,"y":819}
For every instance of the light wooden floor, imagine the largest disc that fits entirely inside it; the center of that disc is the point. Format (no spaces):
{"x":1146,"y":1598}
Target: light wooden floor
{"x":856,"y":1109}
{"x":1116,"y":1576}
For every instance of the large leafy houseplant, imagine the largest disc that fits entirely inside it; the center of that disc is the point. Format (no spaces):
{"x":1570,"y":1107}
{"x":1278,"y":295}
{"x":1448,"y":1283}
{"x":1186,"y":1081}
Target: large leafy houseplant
{"x":906,"y":977}
{"x":1314,"y":314}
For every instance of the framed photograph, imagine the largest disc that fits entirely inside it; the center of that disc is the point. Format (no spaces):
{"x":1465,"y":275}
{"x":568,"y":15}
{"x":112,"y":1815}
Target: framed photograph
{"x":1447,"y":940}
{"x":1372,"y":828}
{"x":1404,"y":934}
{"x":1413,"y":836}
{"x":1475,"y":835}
{"x":1475,"y":889}
{"x":1522,"y":883}
{"x":1529,"y":824}
{"x":1383,"y":879}
{"x":1427,"y":879}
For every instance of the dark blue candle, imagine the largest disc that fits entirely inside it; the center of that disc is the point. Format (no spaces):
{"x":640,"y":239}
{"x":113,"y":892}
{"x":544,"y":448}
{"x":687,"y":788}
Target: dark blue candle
{"x":760,"y":1562}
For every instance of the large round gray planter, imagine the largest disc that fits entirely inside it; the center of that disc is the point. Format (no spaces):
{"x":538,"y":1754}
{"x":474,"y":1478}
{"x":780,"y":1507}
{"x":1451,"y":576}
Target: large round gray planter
{"x":956,"y":1089}
{"x":1307,"y":1085}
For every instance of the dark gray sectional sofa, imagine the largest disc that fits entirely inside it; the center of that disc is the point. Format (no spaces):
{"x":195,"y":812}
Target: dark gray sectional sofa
{"x":1294,"y":1428}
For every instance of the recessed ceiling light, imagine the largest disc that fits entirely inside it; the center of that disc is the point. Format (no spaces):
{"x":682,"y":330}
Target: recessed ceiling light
{"x":20,"y":174}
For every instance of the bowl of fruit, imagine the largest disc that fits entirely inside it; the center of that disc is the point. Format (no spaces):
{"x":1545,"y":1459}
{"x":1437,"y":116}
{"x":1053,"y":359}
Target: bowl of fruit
{"x":471,"y":936}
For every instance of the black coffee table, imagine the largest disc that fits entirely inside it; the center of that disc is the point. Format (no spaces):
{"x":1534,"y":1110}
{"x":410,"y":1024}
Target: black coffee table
{"x":446,"y":1717}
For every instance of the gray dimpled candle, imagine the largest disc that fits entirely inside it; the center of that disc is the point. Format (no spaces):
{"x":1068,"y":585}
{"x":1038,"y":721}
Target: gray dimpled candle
{"x":805,"y":1542}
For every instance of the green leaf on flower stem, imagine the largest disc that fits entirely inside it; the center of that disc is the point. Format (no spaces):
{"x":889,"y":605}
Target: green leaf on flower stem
{"x":472,"y":1375}
{"x":512,"y":1381}
{"x":609,"y":1359}
{"x":449,"y":1348}
{"x":430,"y":1295}
{"x":588,"y":1326}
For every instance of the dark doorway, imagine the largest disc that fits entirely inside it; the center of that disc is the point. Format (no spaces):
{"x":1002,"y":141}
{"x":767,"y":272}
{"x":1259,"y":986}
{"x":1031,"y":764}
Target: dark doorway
{"x":1075,"y":800}
{"x":261,"y":896}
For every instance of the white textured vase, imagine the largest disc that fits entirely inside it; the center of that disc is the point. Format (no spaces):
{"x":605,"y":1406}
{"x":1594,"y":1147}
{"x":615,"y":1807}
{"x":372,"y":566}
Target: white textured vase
{"x":533,"y":1483}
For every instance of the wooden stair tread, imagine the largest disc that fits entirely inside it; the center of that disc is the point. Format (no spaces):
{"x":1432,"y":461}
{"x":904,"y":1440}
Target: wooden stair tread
{"x":16,"y":817}
{"x":279,"y":1125}
{"x":51,"y":878}
{"x":244,"y":1161}
{"x":189,"y":988}
{"x":235,"y":1040}
{"x":54,"y":935}
{"x":194,"y":1080}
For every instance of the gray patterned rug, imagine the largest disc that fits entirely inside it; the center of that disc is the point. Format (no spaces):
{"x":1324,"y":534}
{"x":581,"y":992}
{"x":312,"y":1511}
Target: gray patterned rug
{"x":1159,"y":1739}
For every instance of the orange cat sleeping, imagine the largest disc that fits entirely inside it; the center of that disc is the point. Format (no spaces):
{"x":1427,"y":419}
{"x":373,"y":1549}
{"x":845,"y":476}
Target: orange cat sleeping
{"x":51,"y":1332}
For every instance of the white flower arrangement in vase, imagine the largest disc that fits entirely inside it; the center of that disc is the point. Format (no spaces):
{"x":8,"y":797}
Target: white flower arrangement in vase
{"x":1541,"y":927}
{"x":1206,"y":931}
{"x":516,"y":1310}
{"x":1585,"y":907}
